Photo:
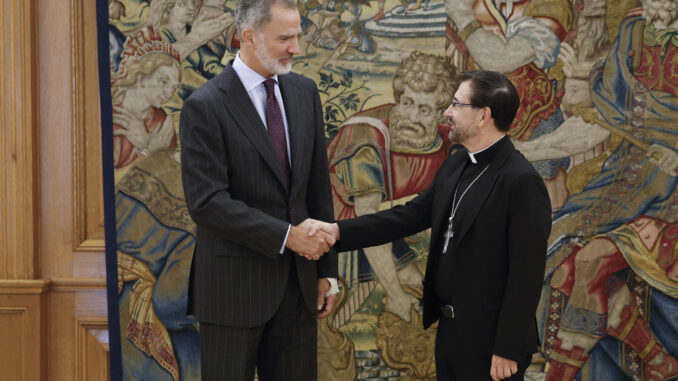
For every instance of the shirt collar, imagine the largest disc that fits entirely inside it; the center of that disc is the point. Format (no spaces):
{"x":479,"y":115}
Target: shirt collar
{"x":250,"y":79}
{"x":485,"y":155}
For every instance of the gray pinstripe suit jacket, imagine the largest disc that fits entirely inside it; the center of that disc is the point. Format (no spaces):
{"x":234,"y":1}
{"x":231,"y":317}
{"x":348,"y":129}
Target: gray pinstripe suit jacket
{"x":236,"y":193}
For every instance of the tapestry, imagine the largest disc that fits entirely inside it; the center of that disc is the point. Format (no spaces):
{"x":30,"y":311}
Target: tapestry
{"x":598,"y":81}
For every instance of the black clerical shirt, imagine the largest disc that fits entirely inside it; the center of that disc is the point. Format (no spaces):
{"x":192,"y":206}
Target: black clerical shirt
{"x":443,"y":283}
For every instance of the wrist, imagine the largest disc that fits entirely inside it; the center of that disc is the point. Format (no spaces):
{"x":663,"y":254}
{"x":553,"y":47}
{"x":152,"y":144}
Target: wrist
{"x":292,"y":237}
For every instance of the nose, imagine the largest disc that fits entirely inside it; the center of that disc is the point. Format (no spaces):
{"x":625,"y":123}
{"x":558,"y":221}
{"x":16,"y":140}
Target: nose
{"x":293,"y":48}
{"x":414,"y":116}
{"x":449,"y":111}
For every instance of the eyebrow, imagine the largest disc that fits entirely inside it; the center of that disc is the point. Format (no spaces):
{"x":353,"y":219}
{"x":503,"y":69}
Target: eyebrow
{"x":290,"y":35}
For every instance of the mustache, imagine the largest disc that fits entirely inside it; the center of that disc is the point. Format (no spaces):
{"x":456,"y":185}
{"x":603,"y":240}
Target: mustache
{"x":413,"y":127}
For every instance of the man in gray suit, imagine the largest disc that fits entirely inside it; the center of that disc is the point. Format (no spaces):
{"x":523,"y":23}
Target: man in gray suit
{"x":254,"y":167}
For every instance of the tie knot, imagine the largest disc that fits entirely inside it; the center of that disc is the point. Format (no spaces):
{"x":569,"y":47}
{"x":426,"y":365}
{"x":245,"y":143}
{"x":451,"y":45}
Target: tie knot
{"x":270,"y":85}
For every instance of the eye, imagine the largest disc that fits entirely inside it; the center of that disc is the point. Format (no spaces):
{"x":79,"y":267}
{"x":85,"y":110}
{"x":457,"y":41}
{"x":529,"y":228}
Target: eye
{"x":406,"y":102}
{"x":426,"y":111}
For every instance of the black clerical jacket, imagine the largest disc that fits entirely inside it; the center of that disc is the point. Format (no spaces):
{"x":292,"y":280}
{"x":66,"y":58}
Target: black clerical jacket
{"x":496,"y":258}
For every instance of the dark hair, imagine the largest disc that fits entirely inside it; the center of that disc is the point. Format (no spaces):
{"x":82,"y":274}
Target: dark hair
{"x":492,"y":89}
{"x":255,"y":13}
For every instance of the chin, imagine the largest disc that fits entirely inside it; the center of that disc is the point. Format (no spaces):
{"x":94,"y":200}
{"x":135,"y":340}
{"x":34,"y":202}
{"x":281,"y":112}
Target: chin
{"x":284,"y":69}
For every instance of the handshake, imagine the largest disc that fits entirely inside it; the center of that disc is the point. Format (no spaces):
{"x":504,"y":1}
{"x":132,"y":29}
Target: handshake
{"x":312,"y":238}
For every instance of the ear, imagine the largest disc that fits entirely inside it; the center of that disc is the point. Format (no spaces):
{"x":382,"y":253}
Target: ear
{"x":486,"y":114}
{"x":248,"y":35}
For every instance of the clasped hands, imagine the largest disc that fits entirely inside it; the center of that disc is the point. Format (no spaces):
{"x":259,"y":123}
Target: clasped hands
{"x":312,"y":238}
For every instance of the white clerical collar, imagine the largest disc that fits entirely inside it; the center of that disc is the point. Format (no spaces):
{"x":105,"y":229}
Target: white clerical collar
{"x":249,"y":78}
{"x":472,"y":154}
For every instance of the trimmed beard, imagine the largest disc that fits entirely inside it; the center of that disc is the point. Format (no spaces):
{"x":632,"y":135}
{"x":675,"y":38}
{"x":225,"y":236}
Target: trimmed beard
{"x":272,"y":65}
{"x":458,"y":135}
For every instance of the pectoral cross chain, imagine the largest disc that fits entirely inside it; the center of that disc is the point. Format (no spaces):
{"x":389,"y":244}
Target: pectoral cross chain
{"x":449,"y":234}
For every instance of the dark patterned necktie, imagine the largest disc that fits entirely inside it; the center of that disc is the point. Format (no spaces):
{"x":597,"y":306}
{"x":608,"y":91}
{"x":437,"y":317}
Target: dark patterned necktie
{"x":276,"y":127}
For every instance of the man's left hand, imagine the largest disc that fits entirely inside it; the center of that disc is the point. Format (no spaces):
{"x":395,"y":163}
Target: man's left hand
{"x":502,"y":368}
{"x":325,"y":303}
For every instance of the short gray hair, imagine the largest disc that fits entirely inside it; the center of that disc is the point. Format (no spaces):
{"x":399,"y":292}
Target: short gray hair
{"x":255,"y":13}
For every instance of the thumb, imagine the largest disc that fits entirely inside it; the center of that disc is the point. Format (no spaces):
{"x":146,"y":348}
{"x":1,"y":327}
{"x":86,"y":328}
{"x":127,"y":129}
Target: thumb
{"x":313,"y":230}
{"x":320,"y":301}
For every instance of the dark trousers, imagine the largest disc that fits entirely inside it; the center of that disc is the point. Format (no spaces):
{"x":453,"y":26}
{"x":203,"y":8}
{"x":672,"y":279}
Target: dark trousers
{"x":468,"y":359}
{"x":284,"y":349}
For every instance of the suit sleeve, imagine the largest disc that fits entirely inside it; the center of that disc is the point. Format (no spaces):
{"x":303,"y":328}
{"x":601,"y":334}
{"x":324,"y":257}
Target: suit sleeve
{"x":319,"y":196}
{"x":204,"y":168}
{"x":388,"y":225}
{"x":529,"y":225}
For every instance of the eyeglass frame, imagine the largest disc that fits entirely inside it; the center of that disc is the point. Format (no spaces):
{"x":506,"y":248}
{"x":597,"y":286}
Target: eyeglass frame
{"x":455,"y":104}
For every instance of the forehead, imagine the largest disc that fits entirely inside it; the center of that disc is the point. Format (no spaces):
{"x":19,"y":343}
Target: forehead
{"x":420,"y":97}
{"x":464,"y":92}
{"x":284,"y":21}
{"x":167,"y":71}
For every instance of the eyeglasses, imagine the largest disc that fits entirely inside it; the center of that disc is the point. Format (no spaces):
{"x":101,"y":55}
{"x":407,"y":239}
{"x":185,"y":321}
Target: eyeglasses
{"x":456,"y":105}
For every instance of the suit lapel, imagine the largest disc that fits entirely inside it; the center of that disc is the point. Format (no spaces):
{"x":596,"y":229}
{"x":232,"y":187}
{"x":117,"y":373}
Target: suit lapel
{"x":477,"y":194}
{"x":240,"y":105}
{"x":290,"y":94}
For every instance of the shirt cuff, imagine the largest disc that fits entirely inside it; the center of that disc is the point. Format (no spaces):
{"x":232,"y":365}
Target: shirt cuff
{"x":334,"y":287}
{"x":282,"y":248}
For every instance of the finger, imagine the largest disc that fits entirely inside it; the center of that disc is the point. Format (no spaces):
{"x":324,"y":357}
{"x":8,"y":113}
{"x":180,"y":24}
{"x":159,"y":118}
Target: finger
{"x":507,"y":371}
{"x":119,"y":109}
{"x":493,"y":373}
{"x":566,"y":48}
{"x":514,"y":368}
{"x":120,"y":119}
{"x":124,"y":112}
{"x":329,"y":238}
{"x":324,"y":247}
{"x":321,"y":301}
{"x":330,"y":302}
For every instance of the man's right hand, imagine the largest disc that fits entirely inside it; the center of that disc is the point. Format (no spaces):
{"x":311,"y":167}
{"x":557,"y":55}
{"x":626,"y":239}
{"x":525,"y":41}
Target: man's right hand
{"x":323,"y":227}
{"x":311,"y":246}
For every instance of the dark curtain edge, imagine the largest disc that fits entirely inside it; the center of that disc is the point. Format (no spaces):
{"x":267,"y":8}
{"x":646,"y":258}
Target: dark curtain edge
{"x":106,"y":107}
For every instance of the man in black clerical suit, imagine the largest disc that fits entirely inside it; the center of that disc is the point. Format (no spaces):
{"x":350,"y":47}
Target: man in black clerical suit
{"x":254,"y":166}
{"x":490,"y":216}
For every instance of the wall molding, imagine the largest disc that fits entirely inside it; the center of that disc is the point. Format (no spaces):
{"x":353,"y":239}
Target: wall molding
{"x":92,"y":349}
{"x":13,"y":329}
{"x":88,"y":209}
{"x":19,"y":141}
{"x":78,"y":284}
{"x":20,"y":286}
